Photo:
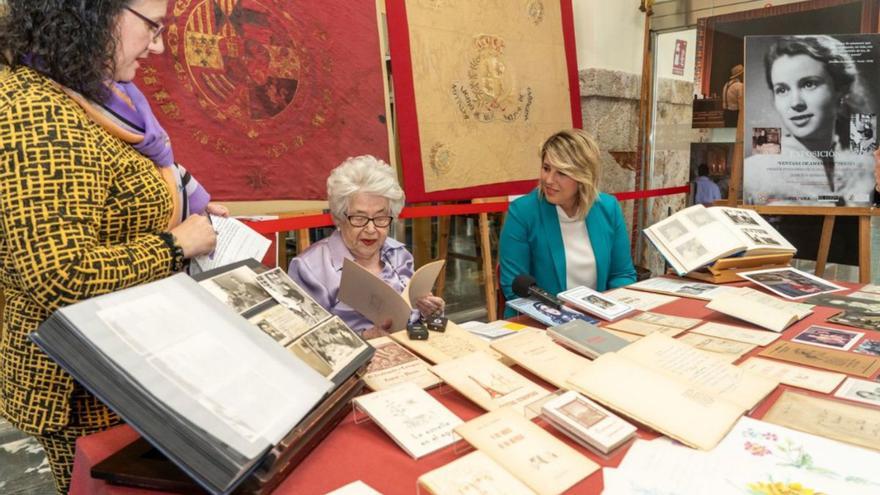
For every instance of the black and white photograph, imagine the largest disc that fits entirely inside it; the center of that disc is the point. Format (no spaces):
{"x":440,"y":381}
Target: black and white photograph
{"x":857,"y":390}
{"x":287,"y":293}
{"x":848,"y":303}
{"x":739,"y":217}
{"x":238,"y":289}
{"x":691,"y":250}
{"x":280,"y":323}
{"x":869,"y":347}
{"x":760,"y":236}
{"x":334,"y":342}
{"x":790,"y":283}
{"x":700,"y":217}
{"x":672,"y":230}
{"x":598,"y":301}
{"x":821,"y":92}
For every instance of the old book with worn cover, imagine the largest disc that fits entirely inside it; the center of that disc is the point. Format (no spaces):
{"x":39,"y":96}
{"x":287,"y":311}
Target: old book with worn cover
{"x":587,"y":339}
{"x":393,"y":364}
{"x":587,"y":421}
{"x":220,"y":397}
{"x":537,"y":458}
{"x":535,"y":351}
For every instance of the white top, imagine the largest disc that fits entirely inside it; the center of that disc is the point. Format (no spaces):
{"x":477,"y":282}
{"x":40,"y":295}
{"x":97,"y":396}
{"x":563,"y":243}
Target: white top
{"x":580,"y":262}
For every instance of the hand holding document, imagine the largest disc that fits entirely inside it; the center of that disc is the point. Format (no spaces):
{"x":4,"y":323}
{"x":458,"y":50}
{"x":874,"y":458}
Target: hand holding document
{"x":235,"y":242}
{"x":377,"y":300}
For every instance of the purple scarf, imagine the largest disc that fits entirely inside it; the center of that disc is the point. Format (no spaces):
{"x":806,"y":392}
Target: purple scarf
{"x":138,"y":117}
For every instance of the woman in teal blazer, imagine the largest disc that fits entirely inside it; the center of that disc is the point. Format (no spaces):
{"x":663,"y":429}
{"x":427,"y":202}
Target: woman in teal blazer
{"x":541,"y":223}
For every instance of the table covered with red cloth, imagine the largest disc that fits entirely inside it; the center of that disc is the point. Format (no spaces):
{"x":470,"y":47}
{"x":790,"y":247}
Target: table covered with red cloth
{"x":362,"y":451}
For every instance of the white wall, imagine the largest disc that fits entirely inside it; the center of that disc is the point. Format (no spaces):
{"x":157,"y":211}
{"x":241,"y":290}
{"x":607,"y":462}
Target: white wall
{"x":609,"y":34}
{"x":666,"y":51}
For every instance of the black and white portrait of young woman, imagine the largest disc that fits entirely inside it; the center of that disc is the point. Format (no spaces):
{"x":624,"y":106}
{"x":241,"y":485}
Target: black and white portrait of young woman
{"x":819,"y":94}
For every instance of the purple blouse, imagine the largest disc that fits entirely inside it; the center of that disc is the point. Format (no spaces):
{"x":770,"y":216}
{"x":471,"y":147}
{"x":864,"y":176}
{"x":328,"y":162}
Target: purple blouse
{"x":319,"y":271}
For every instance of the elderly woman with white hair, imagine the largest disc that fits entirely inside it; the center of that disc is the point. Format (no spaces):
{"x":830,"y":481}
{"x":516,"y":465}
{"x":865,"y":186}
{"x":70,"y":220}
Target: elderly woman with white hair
{"x":365,"y":198}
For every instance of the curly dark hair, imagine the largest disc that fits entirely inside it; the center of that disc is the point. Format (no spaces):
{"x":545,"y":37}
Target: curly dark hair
{"x":71,"y":41}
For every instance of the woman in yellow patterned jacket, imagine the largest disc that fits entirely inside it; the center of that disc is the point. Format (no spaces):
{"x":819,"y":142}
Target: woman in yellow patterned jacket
{"x":82,"y":212}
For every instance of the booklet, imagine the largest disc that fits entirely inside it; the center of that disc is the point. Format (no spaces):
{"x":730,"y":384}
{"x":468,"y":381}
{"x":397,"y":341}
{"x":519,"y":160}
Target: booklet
{"x":545,"y":314}
{"x":595,"y":303}
{"x":587,"y":421}
{"x":392,"y":365}
{"x":697,"y":236}
{"x":417,"y":422}
{"x":535,"y":351}
{"x":762,"y":310}
{"x":377,"y":300}
{"x":680,"y":287}
{"x":587,"y":339}
{"x":474,"y":473}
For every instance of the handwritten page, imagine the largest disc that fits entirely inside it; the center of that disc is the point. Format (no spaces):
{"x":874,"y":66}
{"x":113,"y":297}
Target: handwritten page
{"x":446,"y":346}
{"x":235,"y":242}
{"x":739,"y":334}
{"x":536,"y":457}
{"x":833,"y":419}
{"x":683,"y":362}
{"x":796,"y":376}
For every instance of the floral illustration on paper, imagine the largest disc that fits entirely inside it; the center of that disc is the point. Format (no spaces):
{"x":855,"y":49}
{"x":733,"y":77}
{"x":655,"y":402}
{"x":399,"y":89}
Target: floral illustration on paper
{"x":780,"y":488}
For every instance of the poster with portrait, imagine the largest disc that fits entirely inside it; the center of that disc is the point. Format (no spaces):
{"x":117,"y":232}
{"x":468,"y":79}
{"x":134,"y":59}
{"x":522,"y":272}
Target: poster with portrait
{"x":811,"y":119}
{"x":263,"y":98}
{"x":478,"y":86}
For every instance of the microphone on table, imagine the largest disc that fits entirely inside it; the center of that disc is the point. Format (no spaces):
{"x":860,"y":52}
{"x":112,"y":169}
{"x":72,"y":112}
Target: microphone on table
{"x":526,"y":286}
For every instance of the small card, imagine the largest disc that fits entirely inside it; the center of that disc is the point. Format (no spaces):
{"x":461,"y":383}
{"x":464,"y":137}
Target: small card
{"x":595,"y":303}
{"x":739,"y":334}
{"x":864,"y":391}
{"x":870,"y":347}
{"x":790,"y":283}
{"x":829,"y":359}
{"x":833,"y":338}
{"x":796,"y":376}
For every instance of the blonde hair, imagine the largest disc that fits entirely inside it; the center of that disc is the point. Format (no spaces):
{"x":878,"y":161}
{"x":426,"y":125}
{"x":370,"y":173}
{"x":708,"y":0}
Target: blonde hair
{"x":574,"y":153}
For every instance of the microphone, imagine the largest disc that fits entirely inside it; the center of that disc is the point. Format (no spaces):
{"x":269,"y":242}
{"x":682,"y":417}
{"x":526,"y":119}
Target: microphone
{"x":525,"y":285}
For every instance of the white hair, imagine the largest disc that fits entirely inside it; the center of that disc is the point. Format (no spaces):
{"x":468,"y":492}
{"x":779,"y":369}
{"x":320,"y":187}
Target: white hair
{"x":363,"y":174}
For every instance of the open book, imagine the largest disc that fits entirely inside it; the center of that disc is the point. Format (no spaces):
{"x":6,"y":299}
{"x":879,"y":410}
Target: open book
{"x":678,"y":390}
{"x":697,"y":236}
{"x":377,"y":300}
{"x":202,"y":384}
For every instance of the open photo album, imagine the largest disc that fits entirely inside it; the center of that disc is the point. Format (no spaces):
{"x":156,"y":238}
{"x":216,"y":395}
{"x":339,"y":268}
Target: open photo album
{"x":697,"y":236}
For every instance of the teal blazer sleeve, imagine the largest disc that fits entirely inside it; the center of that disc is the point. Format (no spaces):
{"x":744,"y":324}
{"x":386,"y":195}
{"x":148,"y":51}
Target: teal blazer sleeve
{"x":531,"y":243}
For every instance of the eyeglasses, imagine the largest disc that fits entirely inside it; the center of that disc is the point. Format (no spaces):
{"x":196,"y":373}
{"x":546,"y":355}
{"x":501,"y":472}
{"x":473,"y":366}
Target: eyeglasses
{"x":362,"y":221}
{"x":157,"y":28}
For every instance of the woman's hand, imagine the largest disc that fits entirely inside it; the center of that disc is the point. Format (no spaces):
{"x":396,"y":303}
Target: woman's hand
{"x":377,"y":331}
{"x":430,"y":305}
{"x":217,"y":209}
{"x":195,"y":236}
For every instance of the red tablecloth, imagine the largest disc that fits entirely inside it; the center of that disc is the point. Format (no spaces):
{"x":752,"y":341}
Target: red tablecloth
{"x":362,"y":451}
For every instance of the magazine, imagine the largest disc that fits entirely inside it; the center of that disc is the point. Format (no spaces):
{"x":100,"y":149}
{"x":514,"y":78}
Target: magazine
{"x":546,"y":314}
{"x":697,"y":236}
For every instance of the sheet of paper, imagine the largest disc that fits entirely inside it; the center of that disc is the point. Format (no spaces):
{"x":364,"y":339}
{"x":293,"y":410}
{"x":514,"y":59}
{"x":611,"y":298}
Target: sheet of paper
{"x":833,"y":419}
{"x":490,"y":384}
{"x":422,"y":281}
{"x":355,"y":488}
{"x":828,"y":359}
{"x":640,"y":300}
{"x":680,"y":287}
{"x":739,"y":334}
{"x":796,"y":376}
{"x":535,"y":351}
{"x":392,"y":365}
{"x":683,"y":362}
{"x":677,"y":409}
{"x":870,"y":296}
{"x":754,"y":312}
{"x":647,"y":323}
{"x":372,"y":297}
{"x":474,"y":473}
{"x":235,"y":242}
{"x":864,"y":391}
{"x":417,"y":422}
{"x":536,"y":457}
{"x":446,"y":346}
{"x":717,"y":345}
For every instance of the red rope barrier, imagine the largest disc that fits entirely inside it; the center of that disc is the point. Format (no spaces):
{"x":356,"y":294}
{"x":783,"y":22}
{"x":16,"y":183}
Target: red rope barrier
{"x":324,"y":220}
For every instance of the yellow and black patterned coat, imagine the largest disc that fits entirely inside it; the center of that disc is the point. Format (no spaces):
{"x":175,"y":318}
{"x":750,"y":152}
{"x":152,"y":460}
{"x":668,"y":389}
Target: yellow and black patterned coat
{"x":79,"y":210}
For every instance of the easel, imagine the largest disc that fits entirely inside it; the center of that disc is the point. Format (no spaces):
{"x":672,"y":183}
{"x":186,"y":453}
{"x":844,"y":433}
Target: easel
{"x":485,"y":260}
{"x":829,"y":213}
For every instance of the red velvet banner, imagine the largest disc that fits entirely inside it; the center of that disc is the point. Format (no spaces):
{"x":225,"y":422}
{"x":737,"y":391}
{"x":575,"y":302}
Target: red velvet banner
{"x":263,"y":98}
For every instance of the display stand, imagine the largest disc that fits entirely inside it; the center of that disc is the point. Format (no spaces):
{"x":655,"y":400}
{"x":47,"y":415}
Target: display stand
{"x":725,"y":270}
